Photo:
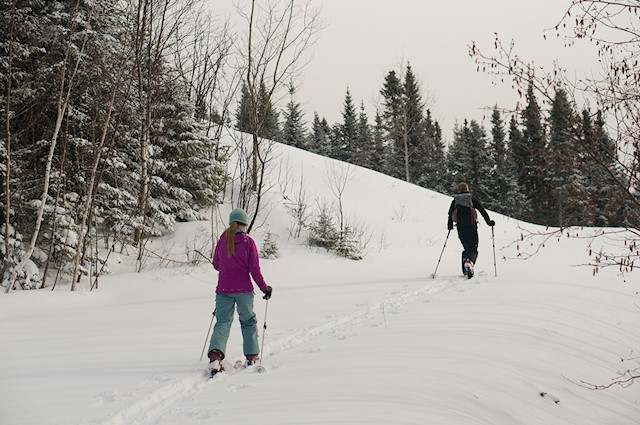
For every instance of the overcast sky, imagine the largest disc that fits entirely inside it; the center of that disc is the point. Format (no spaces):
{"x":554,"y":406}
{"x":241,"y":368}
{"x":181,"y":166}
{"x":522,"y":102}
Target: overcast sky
{"x":365,"y":39}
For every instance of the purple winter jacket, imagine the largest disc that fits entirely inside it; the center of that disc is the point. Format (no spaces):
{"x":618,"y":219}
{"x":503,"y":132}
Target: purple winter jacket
{"x":233,"y":272}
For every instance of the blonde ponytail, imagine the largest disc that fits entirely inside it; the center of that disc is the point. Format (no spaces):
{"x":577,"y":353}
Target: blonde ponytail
{"x":230,"y":236}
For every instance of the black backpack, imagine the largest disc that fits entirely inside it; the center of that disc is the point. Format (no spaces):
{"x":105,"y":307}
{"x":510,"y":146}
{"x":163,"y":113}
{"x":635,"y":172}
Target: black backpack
{"x":464,"y":213}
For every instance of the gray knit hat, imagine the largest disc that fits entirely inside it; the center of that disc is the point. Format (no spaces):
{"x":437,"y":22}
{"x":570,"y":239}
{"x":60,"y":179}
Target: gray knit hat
{"x":238,"y":215}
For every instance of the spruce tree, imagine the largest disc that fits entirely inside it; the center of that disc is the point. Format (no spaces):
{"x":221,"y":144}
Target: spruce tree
{"x":182,"y":175}
{"x":504,"y":194}
{"x":377,"y":155}
{"x":345,"y":148}
{"x":517,"y":204}
{"x":243,"y":114}
{"x":605,"y":205}
{"x":480,"y":164}
{"x":266,"y":115}
{"x":185,"y":176}
{"x":566,"y":205}
{"x":498,"y":138}
{"x":318,"y":138}
{"x":393,"y":107}
{"x":530,"y":156}
{"x":416,"y":152}
{"x":468,"y":158}
{"x":432,"y":173}
{"x":293,"y":131}
{"x":498,"y":188}
{"x":270,"y":128}
{"x":414,"y":128}
{"x":364,"y":140}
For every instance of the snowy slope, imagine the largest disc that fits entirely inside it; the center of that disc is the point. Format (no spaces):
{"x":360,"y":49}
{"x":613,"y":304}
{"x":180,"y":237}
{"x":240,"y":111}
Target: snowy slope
{"x":376,"y":341}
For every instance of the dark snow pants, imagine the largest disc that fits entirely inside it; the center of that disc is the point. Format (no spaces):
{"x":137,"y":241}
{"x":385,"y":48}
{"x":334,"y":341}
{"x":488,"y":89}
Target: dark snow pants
{"x":469,"y":237}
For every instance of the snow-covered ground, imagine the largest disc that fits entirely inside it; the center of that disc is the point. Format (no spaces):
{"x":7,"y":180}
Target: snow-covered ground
{"x":377,"y":341}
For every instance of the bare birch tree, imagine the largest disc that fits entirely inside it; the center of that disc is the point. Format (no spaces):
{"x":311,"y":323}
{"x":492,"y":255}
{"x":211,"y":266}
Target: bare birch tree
{"x":66,"y":83}
{"x":280,"y":34}
{"x":91,"y":186}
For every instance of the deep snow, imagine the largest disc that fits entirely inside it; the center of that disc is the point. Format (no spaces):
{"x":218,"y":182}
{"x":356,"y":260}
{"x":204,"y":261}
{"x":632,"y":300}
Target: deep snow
{"x":376,"y":341}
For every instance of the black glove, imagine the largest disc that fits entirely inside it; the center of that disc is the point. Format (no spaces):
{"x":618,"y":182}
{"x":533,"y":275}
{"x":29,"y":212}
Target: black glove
{"x":450,"y":226}
{"x":492,"y":223}
{"x":267,"y":293}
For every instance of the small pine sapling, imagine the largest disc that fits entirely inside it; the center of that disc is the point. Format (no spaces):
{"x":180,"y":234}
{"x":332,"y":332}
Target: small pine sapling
{"x":269,"y":247}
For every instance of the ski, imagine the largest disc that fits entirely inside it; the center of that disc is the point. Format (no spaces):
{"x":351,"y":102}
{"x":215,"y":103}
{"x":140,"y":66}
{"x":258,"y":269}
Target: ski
{"x":240,"y":365}
{"x":234,"y":368}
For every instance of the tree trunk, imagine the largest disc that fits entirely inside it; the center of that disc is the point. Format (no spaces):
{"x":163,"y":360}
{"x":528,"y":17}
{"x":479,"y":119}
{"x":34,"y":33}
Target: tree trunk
{"x":63,"y":103}
{"x":7,"y":222}
{"x":55,"y":207}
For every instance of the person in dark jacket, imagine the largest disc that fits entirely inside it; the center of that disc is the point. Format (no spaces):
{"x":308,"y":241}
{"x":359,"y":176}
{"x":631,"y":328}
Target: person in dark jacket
{"x":464,"y":212}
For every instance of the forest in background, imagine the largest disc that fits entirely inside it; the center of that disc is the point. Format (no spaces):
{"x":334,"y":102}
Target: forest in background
{"x":113,"y":111}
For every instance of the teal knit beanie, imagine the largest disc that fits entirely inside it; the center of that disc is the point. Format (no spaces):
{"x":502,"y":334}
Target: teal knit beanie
{"x":238,"y":215}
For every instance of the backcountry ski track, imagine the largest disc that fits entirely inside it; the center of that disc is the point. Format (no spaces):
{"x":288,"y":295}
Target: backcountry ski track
{"x":148,"y":408}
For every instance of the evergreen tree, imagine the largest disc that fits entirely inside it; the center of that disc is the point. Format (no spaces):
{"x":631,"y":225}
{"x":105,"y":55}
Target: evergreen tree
{"x":530,"y":156}
{"x":323,"y":232}
{"x":414,"y":127}
{"x":293,"y":131}
{"x":393,"y":108}
{"x":364,"y":140}
{"x":605,"y":206}
{"x":499,"y":174}
{"x":270,"y":128}
{"x":345,"y":148}
{"x":377,"y":154}
{"x":504,"y":194}
{"x":318,"y":139}
{"x":266,"y":115}
{"x":469,"y":159}
{"x":243,"y":114}
{"x":48,"y":39}
{"x":183,"y":175}
{"x":498,"y":148}
{"x":433,"y":171}
{"x":566,"y":205}
{"x":516,"y":203}
{"x":416,"y":152}
{"x":269,"y":248}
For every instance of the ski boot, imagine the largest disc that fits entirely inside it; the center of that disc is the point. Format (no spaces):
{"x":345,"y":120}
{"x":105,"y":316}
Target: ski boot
{"x":252,"y":360}
{"x":215,"y":363}
{"x":468,"y":269}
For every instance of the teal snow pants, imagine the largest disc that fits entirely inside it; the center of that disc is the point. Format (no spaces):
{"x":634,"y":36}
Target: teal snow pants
{"x":225,"y":304}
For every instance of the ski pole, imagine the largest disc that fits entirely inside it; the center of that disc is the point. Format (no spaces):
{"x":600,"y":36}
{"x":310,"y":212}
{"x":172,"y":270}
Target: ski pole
{"x":493,"y":239}
{"x":213,"y":316}
{"x":266,"y":309}
{"x":445,"y":245}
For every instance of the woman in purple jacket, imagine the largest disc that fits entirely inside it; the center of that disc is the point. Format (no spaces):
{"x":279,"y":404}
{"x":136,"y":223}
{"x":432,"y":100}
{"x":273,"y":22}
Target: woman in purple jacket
{"x":235,"y":258}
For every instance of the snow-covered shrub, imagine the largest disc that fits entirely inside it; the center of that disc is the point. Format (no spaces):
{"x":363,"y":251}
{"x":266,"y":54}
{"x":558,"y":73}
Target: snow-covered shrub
{"x":29,"y":276}
{"x":348,"y":245}
{"x":269,"y":248}
{"x":323,"y":233}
